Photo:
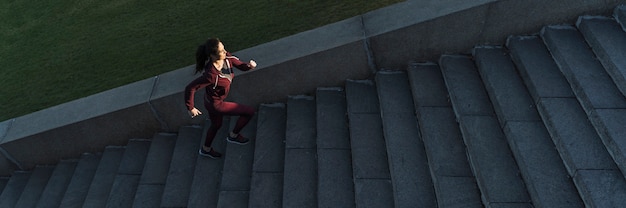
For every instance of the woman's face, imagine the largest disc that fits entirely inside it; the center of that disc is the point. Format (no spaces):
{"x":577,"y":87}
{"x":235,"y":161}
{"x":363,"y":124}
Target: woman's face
{"x":221,"y":52}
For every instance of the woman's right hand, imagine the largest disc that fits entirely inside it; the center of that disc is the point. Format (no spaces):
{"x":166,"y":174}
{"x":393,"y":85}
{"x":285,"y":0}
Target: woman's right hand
{"x":194,"y":112}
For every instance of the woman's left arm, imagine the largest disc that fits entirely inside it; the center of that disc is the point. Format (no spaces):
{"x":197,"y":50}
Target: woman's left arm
{"x":243,"y":66}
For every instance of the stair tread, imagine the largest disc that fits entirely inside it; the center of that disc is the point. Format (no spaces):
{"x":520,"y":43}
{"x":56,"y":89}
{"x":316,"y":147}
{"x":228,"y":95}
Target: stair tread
{"x":587,"y":78}
{"x":300,"y":178}
{"x":578,"y":143}
{"x":509,"y":96}
{"x":611,"y":129}
{"x":427,"y":85}
{"x":269,"y":152}
{"x":461,"y":78}
{"x":548,"y":182}
{"x":438,"y":127}
{"x":369,"y":155}
{"x":457,"y":192}
{"x":129,"y":172}
{"x":266,"y":185}
{"x":233,"y":198}
{"x":602,"y":188}
{"x":359,"y":94}
{"x":148,"y":195}
{"x":336,"y":186}
{"x":489,"y":154}
{"x":492,"y":161}
{"x":182,"y":167}
{"x":368,"y":145}
{"x":58,"y":183}
{"x":373,"y":193}
{"x":539,"y":162}
{"x":608,"y":41}
{"x":35,"y":186}
{"x":81,"y":180}
{"x":300,"y":126}
{"x":104,"y":177}
{"x":408,"y":165}
{"x":334,"y":160}
{"x":205,"y":185}
{"x":332,"y":124}
{"x":134,"y":158}
{"x":537,"y":68}
{"x":238,"y":162}
{"x":123,"y":191}
{"x":158,"y":159}
{"x":13,"y":189}
{"x":300,"y":168}
{"x":266,"y":189}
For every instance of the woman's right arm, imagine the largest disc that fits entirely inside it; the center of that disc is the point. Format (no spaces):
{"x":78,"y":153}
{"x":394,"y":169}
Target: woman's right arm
{"x":190,"y":91}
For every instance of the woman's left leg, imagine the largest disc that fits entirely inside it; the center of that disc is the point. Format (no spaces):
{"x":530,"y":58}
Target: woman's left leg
{"x":244,"y":112}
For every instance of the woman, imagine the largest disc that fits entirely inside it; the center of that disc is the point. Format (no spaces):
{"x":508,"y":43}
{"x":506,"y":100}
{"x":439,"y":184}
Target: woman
{"x":216,"y":66}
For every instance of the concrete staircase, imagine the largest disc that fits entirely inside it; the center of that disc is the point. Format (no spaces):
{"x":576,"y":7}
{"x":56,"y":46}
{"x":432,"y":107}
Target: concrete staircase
{"x":537,"y":122}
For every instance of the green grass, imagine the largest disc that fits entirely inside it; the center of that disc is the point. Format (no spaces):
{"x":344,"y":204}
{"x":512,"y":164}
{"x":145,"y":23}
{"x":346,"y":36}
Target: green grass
{"x":53,"y":52}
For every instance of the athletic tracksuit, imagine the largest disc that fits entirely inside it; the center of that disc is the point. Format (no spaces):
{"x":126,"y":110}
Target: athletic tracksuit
{"x":217,"y":86}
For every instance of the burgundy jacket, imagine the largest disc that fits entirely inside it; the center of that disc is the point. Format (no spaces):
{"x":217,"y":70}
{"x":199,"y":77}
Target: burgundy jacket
{"x":216,"y":83}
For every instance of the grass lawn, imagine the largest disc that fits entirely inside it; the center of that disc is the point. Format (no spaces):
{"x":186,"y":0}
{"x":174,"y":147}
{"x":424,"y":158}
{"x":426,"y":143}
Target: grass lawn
{"x":53,"y":52}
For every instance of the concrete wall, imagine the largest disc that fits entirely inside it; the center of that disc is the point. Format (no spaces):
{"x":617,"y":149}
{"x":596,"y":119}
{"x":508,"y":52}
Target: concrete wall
{"x":415,"y":30}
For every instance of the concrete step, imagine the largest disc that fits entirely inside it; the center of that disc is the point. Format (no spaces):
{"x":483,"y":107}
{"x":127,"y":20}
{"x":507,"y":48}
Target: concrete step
{"x":408,"y":165}
{"x":14,"y":188}
{"x":372,"y":181}
{"x":463,"y":83}
{"x":454,"y":183}
{"x":104,"y":177}
{"x":34,"y":188}
{"x":608,"y":42}
{"x":155,"y":169}
{"x":334,"y":163}
{"x":182,"y":167}
{"x":57,"y":184}
{"x":592,"y":85}
{"x":620,"y":15}
{"x":237,"y":170}
{"x":536,"y":67}
{"x":266,"y":186}
{"x":579,"y":145}
{"x":588,"y":79}
{"x":507,"y":93}
{"x":81,"y":180}
{"x":577,"y":142}
{"x":300,"y":171}
{"x":490,"y":157}
{"x":129,"y":173}
{"x":548,"y":182}
{"x":205,"y":178}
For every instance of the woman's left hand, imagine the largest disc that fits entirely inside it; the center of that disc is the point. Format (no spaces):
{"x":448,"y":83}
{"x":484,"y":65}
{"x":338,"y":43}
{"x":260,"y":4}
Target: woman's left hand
{"x":252,"y":64}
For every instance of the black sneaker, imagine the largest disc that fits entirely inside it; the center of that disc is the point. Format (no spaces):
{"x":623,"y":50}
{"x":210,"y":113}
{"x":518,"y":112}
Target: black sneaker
{"x":211,"y":153}
{"x":239,"y":140}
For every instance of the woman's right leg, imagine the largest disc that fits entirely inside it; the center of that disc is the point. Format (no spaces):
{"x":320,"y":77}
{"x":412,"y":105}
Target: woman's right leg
{"x":216,"y":124}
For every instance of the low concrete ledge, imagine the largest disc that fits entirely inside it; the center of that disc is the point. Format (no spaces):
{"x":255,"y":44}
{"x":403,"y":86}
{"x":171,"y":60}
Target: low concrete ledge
{"x":84,"y":125}
{"x":354,"y":48}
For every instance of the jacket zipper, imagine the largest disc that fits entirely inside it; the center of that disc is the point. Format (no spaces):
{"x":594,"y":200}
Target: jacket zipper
{"x":218,"y":76}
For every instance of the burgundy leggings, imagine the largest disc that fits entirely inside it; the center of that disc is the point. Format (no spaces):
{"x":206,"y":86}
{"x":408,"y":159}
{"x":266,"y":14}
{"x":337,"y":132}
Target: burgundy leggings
{"x":217,"y":111}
